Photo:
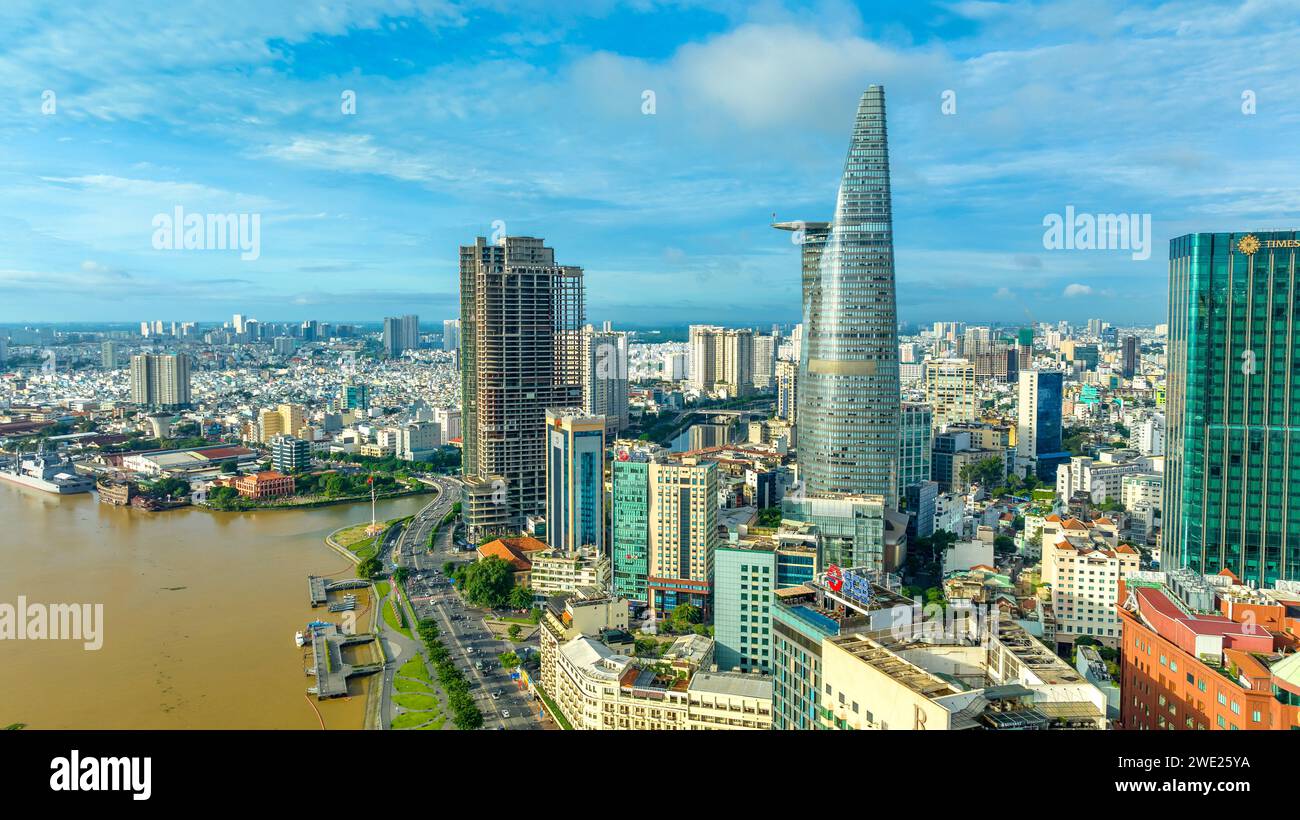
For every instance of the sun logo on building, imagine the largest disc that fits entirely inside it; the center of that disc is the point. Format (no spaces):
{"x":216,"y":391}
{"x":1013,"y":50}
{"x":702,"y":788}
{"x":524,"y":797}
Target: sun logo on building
{"x":1248,"y":245}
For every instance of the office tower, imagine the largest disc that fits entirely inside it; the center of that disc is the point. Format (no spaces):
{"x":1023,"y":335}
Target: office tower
{"x":355,"y":396}
{"x":744,"y":582}
{"x":450,"y":335}
{"x":787,"y":383}
{"x":664,"y":527}
{"x":919,"y":502}
{"x":950,"y":390}
{"x":4,"y":349}
{"x":521,"y":352}
{"x":916,"y":439}
{"x":252,"y":331}
{"x":108,"y":355}
{"x":722,"y":359}
{"x":764,"y":360}
{"x":161,"y":381}
{"x":605,"y":386}
{"x":629,"y":496}
{"x":1038,"y":422}
{"x":393,"y":337}
{"x":848,"y":371}
{"x":283,"y":345}
{"x":575,"y":480}
{"x":1130,"y":358}
{"x":1232,"y":498}
{"x":269,"y":425}
{"x":292,"y":418}
{"x":683,"y":519}
{"x":237,"y":323}
{"x":309,"y":330}
{"x":289,"y":453}
{"x":850,"y":528}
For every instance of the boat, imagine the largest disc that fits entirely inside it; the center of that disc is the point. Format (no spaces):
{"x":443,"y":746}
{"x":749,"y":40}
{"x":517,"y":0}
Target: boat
{"x":50,"y":472}
{"x":299,"y":639}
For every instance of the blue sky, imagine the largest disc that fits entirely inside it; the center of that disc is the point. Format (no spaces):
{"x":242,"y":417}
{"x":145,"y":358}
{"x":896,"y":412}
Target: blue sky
{"x":531,"y":113}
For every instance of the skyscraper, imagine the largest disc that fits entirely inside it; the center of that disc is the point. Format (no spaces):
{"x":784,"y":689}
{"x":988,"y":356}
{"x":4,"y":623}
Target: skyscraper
{"x":521,"y":352}
{"x":1038,"y":423}
{"x":392,"y":338}
{"x":108,"y":355}
{"x":787,"y":384}
{"x":848,"y":374}
{"x":916,"y":439}
{"x":1231,"y":494}
{"x":575,"y":480}
{"x":161,"y":381}
{"x":450,"y":335}
{"x":410,"y":332}
{"x":1129,"y":362}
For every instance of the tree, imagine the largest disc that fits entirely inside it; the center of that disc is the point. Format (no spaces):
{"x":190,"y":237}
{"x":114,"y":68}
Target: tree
{"x":401,"y":574}
{"x":988,"y":472}
{"x":521,"y":598}
{"x":514,"y":630}
{"x":370,"y":568}
{"x":489,"y":582}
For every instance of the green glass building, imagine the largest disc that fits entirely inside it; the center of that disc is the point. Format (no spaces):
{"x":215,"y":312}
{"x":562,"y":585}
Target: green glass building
{"x":1232,"y":471}
{"x":630,"y":525}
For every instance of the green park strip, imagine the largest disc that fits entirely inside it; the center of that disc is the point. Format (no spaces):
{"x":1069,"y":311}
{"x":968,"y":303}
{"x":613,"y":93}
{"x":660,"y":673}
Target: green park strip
{"x":414,"y":701}
{"x":415,"y":668}
{"x":412,"y":686}
{"x":418,"y":720}
{"x":394,"y":617}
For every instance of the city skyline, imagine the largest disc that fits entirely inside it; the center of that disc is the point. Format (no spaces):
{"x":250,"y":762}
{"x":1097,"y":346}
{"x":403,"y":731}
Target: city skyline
{"x":684,"y":206}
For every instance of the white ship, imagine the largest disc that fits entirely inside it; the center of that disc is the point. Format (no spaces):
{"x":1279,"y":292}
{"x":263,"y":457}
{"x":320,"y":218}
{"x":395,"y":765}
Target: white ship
{"x":48,"y":472}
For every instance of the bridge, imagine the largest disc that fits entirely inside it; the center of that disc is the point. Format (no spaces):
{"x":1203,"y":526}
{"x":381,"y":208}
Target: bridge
{"x":318,"y":589}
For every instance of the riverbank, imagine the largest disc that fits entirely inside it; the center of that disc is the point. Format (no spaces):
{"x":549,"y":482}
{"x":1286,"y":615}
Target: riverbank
{"x":424,"y":489}
{"x":342,"y":541}
{"x":200,"y":612}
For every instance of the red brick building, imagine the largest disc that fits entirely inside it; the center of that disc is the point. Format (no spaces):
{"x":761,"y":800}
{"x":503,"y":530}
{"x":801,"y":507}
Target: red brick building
{"x":1214,"y":657}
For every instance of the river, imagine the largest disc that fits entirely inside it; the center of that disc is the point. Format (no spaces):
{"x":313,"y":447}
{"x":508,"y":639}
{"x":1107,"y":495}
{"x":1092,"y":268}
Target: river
{"x":200,"y":610}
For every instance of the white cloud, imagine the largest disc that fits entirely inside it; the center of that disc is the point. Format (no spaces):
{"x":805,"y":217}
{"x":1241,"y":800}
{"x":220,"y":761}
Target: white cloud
{"x":1075,"y":290}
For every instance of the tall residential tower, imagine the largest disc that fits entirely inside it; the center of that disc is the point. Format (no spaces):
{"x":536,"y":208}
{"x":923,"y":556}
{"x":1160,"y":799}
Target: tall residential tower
{"x":521,"y":318}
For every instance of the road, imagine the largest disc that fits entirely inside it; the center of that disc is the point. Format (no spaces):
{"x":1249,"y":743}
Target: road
{"x":463,"y":630}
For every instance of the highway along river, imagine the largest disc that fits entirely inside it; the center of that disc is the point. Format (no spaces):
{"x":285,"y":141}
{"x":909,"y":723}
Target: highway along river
{"x":200,"y":611}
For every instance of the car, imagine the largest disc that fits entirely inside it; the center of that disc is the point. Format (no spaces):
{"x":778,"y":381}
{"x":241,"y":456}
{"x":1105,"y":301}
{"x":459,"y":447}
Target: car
{"x":496,"y":695}
{"x":505,"y":713}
